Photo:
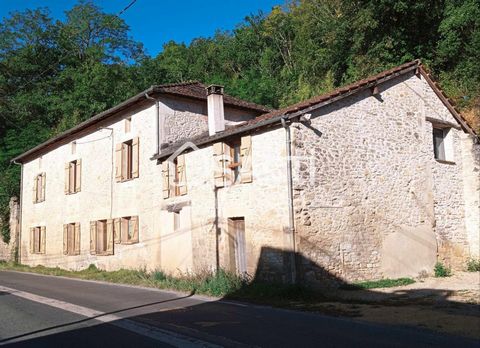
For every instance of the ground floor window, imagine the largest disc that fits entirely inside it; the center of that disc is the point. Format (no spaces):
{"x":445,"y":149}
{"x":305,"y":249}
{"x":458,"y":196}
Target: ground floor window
{"x":126,"y":230}
{"x":101,"y":237}
{"x":37,"y":240}
{"x":71,"y":239}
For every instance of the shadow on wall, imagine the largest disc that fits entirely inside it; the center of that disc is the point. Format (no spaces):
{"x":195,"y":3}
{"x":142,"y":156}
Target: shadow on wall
{"x":233,"y":324}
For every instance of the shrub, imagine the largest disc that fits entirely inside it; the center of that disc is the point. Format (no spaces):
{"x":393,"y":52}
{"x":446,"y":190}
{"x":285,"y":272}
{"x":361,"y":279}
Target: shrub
{"x":441,"y":270}
{"x":382,"y":283}
{"x":473,"y":265}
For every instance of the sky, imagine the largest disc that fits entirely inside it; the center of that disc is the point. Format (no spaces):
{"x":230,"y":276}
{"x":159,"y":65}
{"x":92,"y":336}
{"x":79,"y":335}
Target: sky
{"x":156,"y":22}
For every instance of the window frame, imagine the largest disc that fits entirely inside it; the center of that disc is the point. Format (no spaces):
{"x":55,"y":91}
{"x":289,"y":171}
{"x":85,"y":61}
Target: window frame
{"x":442,"y":144}
{"x":39,"y":186}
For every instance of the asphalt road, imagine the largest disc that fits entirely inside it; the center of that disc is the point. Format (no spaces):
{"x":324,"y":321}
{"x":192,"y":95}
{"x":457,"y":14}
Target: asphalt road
{"x":44,"y":311}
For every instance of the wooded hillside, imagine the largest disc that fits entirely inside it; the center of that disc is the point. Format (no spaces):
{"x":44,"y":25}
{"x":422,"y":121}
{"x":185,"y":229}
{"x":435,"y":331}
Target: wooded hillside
{"x":54,"y":74}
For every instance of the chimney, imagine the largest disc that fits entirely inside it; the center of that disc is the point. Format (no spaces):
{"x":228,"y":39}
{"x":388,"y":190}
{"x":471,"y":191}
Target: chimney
{"x":216,"y":117}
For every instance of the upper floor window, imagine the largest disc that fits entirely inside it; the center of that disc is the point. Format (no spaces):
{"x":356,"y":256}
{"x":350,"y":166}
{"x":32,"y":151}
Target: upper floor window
{"x":128,"y":124}
{"x":233,"y":161}
{"x":174,"y":177}
{"x":442,"y":144}
{"x":37,"y":240}
{"x":127,"y":160}
{"x":73,"y":173}
{"x":39,"y":188}
{"x":71,"y":239}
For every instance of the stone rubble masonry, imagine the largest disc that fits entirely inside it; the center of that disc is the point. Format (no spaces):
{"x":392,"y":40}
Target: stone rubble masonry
{"x":374,"y":202}
{"x":8,"y":250}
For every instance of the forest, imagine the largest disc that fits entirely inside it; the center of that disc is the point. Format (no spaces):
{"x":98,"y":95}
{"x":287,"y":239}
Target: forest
{"x":55,"y":74}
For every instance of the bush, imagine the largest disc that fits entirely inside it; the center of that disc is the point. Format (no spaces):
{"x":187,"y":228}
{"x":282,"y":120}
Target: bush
{"x":441,"y":270}
{"x":473,"y":265}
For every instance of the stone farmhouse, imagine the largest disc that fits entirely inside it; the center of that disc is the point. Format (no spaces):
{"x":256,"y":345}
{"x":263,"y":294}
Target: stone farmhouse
{"x":376,"y":179}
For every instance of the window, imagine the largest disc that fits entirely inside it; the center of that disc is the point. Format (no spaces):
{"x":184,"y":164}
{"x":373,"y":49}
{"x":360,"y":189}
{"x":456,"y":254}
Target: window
{"x":233,"y":162}
{"x":71,"y":239}
{"x":101,"y":237}
{"x":126,"y":230}
{"x":39,"y":188}
{"x":127,"y":160}
{"x":37,"y":240}
{"x":128,"y":124}
{"x":443,"y":144}
{"x":176,"y":221}
{"x":174,"y":177}
{"x":74,"y":147}
{"x":73,"y":173}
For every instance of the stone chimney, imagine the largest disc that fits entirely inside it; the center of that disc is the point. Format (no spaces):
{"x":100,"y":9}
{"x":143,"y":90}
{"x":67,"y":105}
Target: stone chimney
{"x":216,"y":117}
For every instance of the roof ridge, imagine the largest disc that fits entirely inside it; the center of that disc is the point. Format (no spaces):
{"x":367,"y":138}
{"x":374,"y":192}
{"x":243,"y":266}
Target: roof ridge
{"x":175,"y":84}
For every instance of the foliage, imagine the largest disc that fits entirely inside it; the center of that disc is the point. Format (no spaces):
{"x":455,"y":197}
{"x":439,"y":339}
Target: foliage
{"x":382,"y":283}
{"x":441,"y":270}
{"x":473,"y":265}
{"x":55,"y":74}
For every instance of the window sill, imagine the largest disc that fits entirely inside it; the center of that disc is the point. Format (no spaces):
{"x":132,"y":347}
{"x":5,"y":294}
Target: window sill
{"x":38,"y":202}
{"x":103,"y":254}
{"x":126,"y":180}
{"x":129,"y":243}
{"x":71,"y":193}
{"x":445,"y":162}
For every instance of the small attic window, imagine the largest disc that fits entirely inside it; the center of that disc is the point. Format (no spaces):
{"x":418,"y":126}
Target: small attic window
{"x":443,"y":144}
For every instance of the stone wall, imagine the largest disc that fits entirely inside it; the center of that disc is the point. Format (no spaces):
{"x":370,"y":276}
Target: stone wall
{"x":370,"y":199}
{"x":8,"y":251}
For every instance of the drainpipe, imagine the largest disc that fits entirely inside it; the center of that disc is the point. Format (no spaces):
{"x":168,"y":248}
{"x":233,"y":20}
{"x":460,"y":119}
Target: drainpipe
{"x":157,"y":123}
{"x":20,"y":202}
{"x":288,"y":147}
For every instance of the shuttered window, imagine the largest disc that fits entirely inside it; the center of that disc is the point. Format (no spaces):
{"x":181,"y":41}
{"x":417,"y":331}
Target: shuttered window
{"x":101,"y":237}
{"x":39,"y":183}
{"x":71,"y":239}
{"x":73,"y":176}
{"x":127,"y":160}
{"x":37,"y":240}
{"x":174,"y":175}
{"x":129,"y":230}
{"x":233,"y":162}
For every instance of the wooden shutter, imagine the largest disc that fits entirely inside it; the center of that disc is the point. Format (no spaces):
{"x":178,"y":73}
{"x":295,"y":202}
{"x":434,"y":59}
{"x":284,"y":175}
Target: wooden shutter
{"x":219,"y":169}
{"x":118,"y":162}
{"x":42,"y":239}
{"x":181,"y":175}
{"x":66,"y":188}
{"x":135,"y":157}
{"x":78,"y":175}
{"x":227,"y":160}
{"x":166,"y":179}
{"x":134,"y":222}
{"x":76,"y":242}
{"x":32,"y":239}
{"x":246,"y":159}
{"x":117,"y":235}
{"x":65,"y":239}
{"x":42,"y":192}
{"x":109,"y":249}
{"x":93,"y":237}
{"x":35,"y":189}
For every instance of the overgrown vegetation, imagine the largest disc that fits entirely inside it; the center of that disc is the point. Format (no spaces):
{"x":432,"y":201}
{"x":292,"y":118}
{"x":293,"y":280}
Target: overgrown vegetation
{"x":473,"y":265}
{"x":55,"y":74}
{"x":441,"y":270}
{"x":218,"y":284}
{"x":382,"y":283}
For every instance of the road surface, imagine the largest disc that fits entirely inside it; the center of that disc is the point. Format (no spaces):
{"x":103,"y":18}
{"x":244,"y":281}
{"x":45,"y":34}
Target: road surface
{"x":46,"y":311}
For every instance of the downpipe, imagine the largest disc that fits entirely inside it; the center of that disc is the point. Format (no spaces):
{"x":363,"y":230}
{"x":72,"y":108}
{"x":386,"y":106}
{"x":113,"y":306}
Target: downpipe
{"x":291,"y":218}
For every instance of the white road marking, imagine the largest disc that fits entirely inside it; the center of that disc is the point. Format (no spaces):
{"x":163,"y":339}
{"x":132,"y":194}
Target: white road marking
{"x":155,"y":333}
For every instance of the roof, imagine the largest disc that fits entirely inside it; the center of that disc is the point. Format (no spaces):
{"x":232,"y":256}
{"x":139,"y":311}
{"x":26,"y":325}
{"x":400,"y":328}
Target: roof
{"x":189,"y":89}
{"x":306,"y":106}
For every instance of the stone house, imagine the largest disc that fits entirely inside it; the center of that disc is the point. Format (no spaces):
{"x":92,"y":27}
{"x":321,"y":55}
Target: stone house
{"x":376,"y":179}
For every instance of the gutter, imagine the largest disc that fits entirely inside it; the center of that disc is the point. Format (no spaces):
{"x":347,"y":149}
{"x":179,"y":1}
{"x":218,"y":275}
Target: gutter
{"x":291,"y":218}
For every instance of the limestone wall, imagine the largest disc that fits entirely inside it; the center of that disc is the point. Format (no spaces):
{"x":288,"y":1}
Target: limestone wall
{"x":370,"y":199}
{"x":8,"y":250}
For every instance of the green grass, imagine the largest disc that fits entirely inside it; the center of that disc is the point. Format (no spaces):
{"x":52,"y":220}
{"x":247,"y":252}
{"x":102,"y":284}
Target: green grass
{"x":382,"y":283}
{"x":220,"y":284}
{"x":473,"y":265}
{"x":441,"y":270}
